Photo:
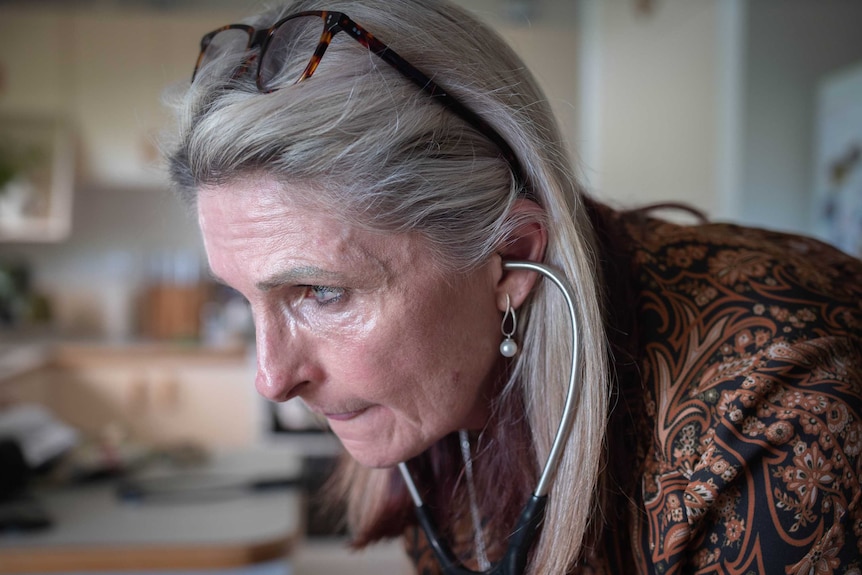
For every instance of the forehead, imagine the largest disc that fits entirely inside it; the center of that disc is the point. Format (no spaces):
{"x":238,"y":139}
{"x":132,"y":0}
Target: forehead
{"x":258,"y":225}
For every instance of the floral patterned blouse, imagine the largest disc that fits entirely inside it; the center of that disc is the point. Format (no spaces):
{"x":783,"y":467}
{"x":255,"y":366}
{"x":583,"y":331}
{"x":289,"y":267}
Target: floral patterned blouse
{"x":736,"y":437}
{"x":749,"y":366}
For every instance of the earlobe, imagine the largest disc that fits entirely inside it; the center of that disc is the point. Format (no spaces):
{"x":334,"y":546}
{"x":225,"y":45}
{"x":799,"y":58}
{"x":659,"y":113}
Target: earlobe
{"x":526,"y":242}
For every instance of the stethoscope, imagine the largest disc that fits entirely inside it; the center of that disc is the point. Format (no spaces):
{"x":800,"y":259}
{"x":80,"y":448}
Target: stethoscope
{"x":514,"y":561}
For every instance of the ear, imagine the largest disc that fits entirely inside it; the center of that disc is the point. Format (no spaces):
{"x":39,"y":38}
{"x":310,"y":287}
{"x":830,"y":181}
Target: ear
{"x":527,"y":242}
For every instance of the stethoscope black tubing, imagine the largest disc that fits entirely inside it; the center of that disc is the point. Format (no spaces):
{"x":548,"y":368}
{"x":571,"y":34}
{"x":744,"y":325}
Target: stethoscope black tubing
{"x":513,"y":562}
{"x":515,"y":559}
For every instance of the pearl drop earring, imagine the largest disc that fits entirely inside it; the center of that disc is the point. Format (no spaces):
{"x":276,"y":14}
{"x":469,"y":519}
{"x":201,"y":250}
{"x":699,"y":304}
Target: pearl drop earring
{"x":509,"y":347}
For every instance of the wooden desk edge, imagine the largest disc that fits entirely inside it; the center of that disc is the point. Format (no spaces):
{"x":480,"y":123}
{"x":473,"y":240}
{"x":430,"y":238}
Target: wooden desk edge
{"x":143,"y":557}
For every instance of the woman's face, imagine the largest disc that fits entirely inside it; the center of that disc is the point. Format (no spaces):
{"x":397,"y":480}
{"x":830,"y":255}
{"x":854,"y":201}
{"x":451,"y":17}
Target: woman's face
{"x":362,"y":326}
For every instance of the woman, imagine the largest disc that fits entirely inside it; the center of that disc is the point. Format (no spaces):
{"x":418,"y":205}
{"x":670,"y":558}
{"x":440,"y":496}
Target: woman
{"x":368,"y":215}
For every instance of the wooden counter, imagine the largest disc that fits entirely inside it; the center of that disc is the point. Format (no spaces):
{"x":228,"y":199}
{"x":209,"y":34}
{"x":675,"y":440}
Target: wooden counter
{"x":95,"y":530}
{"x":155,"y":393}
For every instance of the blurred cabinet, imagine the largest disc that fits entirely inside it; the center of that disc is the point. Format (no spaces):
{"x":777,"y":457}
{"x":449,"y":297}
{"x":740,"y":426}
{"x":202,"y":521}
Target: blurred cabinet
{"x":107,"y":71}
{"x":153,"y":394}
{"x":122,"y":66}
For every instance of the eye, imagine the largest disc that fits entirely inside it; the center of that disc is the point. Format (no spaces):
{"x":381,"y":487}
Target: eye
{"x":325,"y":294}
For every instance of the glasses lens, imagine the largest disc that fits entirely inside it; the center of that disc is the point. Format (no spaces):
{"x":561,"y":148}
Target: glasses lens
{"x":225,"y":49}
{"x":289,"y":51}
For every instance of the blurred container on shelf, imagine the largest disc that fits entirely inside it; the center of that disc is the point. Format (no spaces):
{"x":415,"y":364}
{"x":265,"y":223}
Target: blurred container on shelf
{"x":174,"y":298}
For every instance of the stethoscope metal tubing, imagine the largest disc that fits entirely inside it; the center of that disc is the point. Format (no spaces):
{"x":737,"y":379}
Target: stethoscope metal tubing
{"x":515,"y":559}
{"x":572,"y":396}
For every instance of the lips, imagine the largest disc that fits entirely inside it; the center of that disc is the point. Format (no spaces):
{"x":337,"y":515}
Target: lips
{"x":344,"y":415}
{"x":339,"y":411}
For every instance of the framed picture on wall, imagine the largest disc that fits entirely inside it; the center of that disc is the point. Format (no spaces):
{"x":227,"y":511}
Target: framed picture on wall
{"x":37,"y":177}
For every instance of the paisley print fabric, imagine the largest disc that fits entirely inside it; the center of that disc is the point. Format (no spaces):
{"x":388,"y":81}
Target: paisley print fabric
{"x":751,"y":364}
{"x":742,"y":423}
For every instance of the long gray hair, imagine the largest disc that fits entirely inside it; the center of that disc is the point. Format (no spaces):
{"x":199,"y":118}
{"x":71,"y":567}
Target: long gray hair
{"x":384,"y":155}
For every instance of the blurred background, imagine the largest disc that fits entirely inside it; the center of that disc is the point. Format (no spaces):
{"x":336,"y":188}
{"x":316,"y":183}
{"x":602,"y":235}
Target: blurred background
{"x":739,"y":107}
{"x":748,"y":109}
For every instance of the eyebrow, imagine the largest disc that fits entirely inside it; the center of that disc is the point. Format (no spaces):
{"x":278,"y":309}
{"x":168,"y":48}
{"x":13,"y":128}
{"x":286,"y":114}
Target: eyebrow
{"x":304,"y":274}
{"x":300,"y":274}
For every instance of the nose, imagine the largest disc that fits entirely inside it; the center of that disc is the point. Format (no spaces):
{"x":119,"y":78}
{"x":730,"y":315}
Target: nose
{"x":284,"y":360}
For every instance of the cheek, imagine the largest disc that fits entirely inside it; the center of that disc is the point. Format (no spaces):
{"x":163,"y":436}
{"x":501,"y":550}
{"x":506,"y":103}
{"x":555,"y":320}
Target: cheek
{"x":366,"y":365}
{"x":385,"y":368}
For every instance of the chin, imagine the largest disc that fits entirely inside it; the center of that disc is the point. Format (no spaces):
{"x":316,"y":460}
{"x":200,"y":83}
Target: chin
{"x":379,"y":456}
{"x":373,"y":458}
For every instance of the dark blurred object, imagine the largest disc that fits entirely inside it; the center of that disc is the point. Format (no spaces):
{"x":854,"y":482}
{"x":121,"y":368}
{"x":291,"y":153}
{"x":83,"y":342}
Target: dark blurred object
{"x":196,"y":487}
{"x":15,"y":471}
{"x":19,"y":511}
{"x":325,"y":516}
{"x":14,"y":287}
{"x":19,"y":303}
{"x":41,"y":438}
{"x":22,"y":512}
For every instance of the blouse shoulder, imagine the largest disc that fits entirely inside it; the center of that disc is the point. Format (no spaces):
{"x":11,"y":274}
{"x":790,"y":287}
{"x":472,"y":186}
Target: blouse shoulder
{"x":750,"y":357}
{"x":718,"y":270}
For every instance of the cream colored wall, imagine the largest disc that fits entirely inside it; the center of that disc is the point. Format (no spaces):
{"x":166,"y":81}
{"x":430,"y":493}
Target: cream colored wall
{"x":651,"y":117}
{"x":710,"y":102}
{"x":792,"y":45}
{"x":548,"y":40}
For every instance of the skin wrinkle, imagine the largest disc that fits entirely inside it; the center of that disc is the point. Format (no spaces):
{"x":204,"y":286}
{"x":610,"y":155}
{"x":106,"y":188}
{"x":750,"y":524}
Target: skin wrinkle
{"x":411,"y":350}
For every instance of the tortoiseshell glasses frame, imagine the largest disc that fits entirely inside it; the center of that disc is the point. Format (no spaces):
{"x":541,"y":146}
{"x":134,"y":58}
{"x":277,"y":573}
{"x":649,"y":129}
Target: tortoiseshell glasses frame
{"x":333,"y":23}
